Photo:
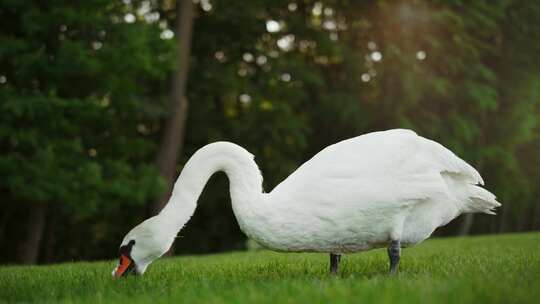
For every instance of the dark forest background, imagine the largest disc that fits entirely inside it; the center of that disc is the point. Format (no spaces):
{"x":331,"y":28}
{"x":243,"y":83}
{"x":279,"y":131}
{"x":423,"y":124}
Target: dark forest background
{"x":102,"y":102}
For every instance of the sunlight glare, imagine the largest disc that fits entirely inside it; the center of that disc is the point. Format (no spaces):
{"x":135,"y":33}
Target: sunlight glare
{"x":129,"y":18}
{"x":376,"y":56}
{"x":96,"y":45}
{"x":328,"y":11}
{"x":261,"y":60}
{"x":317,"y":9}
{"x":247,"y":57}
{"x":272,"y":26}
{"x":151,"y":17}
{"x":220,"y":56}
{"x":144,"y":8}
{"x":244,"y":98}
{"x":366,"y":77}
{"x":242,"y":72}
{"x":292,"y":6}
{"x":206,"y":5}
{"x":286,"y":42}
{"x":166,"y":34}
{"x":286,"y":77}
{"x":329,"y":25}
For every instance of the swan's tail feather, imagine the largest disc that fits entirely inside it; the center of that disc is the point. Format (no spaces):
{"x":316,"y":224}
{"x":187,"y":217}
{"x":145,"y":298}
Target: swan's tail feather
{"x":481,"y":201}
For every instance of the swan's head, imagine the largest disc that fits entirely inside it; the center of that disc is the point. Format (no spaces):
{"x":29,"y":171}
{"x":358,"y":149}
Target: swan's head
{"x":141,"y":246}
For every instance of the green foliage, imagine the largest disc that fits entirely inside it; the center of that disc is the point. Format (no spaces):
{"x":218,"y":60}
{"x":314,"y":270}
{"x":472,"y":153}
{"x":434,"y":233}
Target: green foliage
{"x":82,"y":101}
{"x":495,"y":269}
{"x":465,"y":75}
{"x":74,"y":113}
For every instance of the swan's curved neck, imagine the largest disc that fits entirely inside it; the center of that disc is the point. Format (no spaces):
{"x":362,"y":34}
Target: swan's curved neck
{"x":245,"y":182}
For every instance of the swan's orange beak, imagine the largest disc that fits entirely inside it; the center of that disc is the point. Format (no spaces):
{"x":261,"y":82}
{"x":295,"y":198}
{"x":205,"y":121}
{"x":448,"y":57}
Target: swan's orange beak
{"x":123,"y":266}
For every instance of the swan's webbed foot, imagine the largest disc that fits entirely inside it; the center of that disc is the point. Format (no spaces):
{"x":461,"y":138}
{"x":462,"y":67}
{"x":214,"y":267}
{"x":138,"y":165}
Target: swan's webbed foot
{"x":334,"y":263}
{"x":394,"y":252}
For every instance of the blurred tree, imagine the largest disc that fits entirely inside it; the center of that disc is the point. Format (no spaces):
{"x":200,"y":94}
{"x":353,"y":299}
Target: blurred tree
{"x":76,"y":124}
{"x":173,"y":134}
{"x":237,"y":97}
{"x":83,"y":108}
{"x":442,"y":68}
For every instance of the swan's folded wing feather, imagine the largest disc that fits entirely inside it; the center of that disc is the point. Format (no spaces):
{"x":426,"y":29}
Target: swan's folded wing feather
{"x":446,"y":161}
{"x":372,"y":170}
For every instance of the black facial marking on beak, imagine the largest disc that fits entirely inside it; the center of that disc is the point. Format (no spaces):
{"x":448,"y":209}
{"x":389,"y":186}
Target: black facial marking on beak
{"x":126,"y":249}
{"x":126,"y":265}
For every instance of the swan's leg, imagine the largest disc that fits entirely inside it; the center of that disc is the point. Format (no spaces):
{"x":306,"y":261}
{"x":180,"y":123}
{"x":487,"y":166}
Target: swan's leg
{"x":334,"y":262}
{"x":394,"y":251}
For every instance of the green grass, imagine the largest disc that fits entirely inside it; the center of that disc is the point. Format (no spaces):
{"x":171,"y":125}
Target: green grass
{"x":490,"y":269}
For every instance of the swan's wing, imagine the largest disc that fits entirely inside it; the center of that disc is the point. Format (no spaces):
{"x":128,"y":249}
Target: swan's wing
{"x":445,"y":160}
{"x":394,"y":167}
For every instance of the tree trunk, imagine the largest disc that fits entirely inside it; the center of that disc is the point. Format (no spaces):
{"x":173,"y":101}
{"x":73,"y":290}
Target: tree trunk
{"x":466,"y":224}
{"x":7,"y":212}
{"x":468,"y":219}
{"x":50,"y":241}
{"x":535,"y":225}
{"x":503,"y":215}
{"x":173,"y":137}
{"x":32,"y":242}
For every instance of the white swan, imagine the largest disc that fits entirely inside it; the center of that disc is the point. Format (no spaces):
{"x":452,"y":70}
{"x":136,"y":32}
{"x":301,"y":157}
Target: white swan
{"x":391,"y":188}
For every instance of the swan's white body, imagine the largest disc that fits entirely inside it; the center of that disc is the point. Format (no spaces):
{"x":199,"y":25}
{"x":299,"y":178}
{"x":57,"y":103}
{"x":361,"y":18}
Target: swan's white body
{"x":355,"y":195}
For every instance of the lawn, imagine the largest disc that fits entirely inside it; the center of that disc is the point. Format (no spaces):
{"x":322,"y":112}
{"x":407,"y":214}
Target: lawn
{"x":486,"y":269}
